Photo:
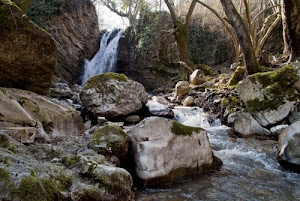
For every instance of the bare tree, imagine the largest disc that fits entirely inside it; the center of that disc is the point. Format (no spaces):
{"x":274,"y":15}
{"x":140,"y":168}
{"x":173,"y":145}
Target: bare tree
{"x":291,"y":26}
{"x":181,"y":30}
{"x":124,"y":8}
{"x":243,"y":36}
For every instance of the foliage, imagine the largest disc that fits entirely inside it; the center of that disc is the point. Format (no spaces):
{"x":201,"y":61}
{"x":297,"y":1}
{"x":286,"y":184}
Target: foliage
{"x":41,"y":10}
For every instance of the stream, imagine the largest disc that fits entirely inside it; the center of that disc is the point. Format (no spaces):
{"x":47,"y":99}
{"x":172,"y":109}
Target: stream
{"x":249,"y":171}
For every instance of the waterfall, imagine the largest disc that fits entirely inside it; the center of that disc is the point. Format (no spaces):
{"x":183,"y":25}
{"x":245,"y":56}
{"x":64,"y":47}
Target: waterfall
{"x":106,"y":58}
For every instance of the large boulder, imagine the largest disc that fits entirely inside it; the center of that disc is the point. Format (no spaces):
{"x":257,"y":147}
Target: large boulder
{"x":112,"y":95}
{"x":28,"y":54}
{"x":19,"y":108}
{"x":288,"y":153}
{"x":269,"y":96}
{"x":76,"y":31}
{"x":182,"y":88}
{"x":164,"y":150}
{"x":197,"y":77}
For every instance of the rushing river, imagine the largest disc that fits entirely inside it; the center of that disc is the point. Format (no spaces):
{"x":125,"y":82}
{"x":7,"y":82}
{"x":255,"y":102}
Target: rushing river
{"x":249,"y":172}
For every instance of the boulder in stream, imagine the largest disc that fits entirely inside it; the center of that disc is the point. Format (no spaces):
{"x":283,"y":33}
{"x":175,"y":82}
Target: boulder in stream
{"x":288,"y":151}
{"x":164,"y":150}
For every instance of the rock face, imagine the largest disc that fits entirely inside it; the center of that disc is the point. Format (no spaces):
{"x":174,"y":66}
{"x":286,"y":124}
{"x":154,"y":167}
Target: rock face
{"x":112,"y":95}
{"x":28,"y":54}
{"x":19,"y":108}
{"x":288,"y":153}
{"x":77,"y":34}
{"x":164,"y":150}
{"x":269,"y":96}
{"x":54,"y":173}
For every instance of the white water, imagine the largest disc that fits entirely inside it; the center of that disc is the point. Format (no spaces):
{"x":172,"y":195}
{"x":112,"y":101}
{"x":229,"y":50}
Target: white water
{"x":105,"y":59}
{"x":249,"y":172}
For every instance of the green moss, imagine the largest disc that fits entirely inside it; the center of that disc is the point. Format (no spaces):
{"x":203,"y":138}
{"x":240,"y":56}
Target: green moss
{"x":207,"y":70}
{"x":106,"y":130}
{"x":180,"y":129}
{"x":98,"y":81}
{"x":237,"y":76}
{"x":33,"y":188}
{"x":4,"y":174}
{"x":232,"y":103}
{"x":259,"y":105}
{"x":70,"y":160}
{"x":284,"y":76}
{"x":64,"y":182}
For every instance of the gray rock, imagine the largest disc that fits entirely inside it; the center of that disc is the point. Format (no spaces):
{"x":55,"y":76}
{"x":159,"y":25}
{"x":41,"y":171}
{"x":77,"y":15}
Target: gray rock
{"x":182,"y":88}
{"x":188,"y":101}
{"x":277,"y":130}
{"x":246,"y":125}
{"x":163,"y":149}
{"x":197,"y":77}
{"x":111,"y":95}
{"x":25,"y":108}
{"x":133,"y":119}
{"x":294,"y":116}
{"x":288,"y":152}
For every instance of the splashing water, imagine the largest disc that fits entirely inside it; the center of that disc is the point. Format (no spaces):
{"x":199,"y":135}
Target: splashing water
{"x":249,"y":172}
{"x":106,"y":58}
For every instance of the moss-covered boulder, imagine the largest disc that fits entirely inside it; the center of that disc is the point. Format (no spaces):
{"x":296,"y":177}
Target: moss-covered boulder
{"x":164,"y":150}
{"x":270,"y":96}
{"x":207,"y":70}
{"x":110,"y":140}
{"x":237,"y":76}
{"x":112,"y":95}
{"x":28,"y":54}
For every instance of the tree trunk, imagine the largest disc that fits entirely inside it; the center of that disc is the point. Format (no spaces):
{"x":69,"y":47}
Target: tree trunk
{"x":181,"y":36}
{"x":242,"y":33}
{"x":291,"y":28}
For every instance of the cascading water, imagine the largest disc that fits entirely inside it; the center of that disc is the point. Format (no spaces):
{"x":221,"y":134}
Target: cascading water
{"x":106,"y":58}
{"x":249,"y":172}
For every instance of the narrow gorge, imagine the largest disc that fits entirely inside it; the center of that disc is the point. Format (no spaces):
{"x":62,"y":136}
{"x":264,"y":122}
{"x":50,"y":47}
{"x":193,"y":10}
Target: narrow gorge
{"x":149,"y":100}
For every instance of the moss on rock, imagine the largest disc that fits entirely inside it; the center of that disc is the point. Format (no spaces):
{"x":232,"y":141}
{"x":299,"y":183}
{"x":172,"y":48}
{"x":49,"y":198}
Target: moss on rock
{"x":4,"y":174}
{"x":207,"y":70}
{"x":28,"y":53}
{"x":180,"y":129}
{"x":98,"y":81}
{"x":33,"y":188}
{"x":237,"y":76}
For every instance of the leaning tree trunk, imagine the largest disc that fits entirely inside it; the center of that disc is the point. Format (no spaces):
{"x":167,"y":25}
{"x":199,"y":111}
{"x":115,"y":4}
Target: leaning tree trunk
{"x":291,"y":28}
{"x":242,"y":33}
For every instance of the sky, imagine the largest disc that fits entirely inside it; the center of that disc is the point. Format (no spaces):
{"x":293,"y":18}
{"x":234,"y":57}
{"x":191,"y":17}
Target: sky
{"x":109,"y":20}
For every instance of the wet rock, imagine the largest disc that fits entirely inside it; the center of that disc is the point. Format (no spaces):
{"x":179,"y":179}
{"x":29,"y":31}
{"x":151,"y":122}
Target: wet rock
{"x":24,"y":108}
{"x":164,"y":150}
{"x":277,"y":130}
{"x":294,"y":116}
{"x":182,"y":88}
{"x":111,"y":95}
{"x":188,"y":101}
{"x":288,"y":152}
{"x":110,"y":140}
{"x":246,"y":125}
{"x":159,"y":107}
